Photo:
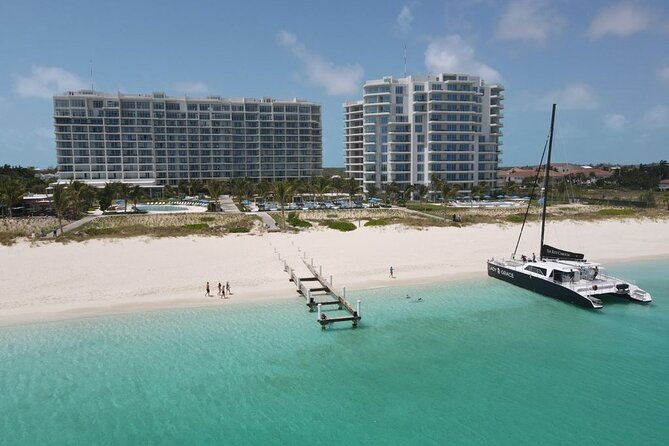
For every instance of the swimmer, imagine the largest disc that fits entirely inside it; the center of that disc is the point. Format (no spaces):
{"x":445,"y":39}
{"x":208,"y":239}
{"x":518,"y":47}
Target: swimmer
{"x":408,"y":297}
{"x":420,"y":299}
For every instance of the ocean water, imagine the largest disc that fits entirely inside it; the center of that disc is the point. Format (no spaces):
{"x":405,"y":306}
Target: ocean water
{"x":476,"y":362}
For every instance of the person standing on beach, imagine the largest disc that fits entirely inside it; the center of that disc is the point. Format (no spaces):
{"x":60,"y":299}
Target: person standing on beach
{"x":207,"y":294}
{"x":391,"y":273}
{"x":227,"y":287}
{"x":219,"y":288}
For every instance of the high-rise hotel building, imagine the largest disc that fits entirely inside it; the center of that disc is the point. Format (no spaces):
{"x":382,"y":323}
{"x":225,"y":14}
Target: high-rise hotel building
{"x":406,"y":130}
{"x":157,"y":139}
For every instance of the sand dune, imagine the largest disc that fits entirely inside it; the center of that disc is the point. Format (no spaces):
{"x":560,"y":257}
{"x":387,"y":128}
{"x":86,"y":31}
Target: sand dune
{"x":55,"y":281}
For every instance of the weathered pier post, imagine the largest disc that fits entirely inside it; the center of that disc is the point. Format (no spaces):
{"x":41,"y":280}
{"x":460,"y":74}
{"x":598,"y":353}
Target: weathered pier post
{"x":356,"y":315}
{"x":321,"y":318}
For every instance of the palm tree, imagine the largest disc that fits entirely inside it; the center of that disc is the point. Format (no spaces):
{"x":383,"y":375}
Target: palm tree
{"x":238,"y":188}
{"x":408,"y":189}
{"x":168,"y":192}
{"x":60,"y":201}
{"x":80,"y":194}
{"x":320,"y":185}
{"x":183,"y":187}
{"x":11,"y":192}
{"x":351,"y":187}
{"x":448,"y":191}
{"x":392,"y":189}
{"x":477,"y":190}
{"x":105,"y":196}
{"x":216,"y":188}
{"x":249,"y":189}
{"x":337,"y":183}
{"x":123,"y":192}
{"x":422,"y":192}
{"x":136,"y":194}
{"x":195,"y":187}
{"x":372,"y":190}
{"x":283,"y":193}
{"x":510,"y":188}
{"x":262,"y":189}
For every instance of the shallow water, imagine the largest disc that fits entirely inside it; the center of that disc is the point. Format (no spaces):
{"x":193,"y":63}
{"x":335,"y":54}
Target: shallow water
{"x":476,"y":362}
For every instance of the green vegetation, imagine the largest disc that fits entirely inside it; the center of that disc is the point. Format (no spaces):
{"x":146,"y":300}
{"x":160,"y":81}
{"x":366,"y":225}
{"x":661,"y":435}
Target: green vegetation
{"x":329,"y":172}
{"x":376,"y":222}
{"x":197,"y":226}
{"x":161,"y":225}
{"x":13,"y":228}
{"x":296,"y":222}
{"x":283,"y":192}
{"x":515,"y":218}
{"x":344,"y":226}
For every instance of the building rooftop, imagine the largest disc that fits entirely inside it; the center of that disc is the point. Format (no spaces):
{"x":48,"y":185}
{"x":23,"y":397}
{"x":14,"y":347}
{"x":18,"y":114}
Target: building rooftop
{"x":162,"y":95}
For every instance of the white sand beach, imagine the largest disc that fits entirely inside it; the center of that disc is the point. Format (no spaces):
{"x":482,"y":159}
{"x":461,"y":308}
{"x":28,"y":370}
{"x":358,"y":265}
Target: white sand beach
{"x":50,"y":281}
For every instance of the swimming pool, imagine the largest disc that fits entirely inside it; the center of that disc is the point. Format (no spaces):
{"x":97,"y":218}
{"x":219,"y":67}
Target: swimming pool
{"x":160,"y":208}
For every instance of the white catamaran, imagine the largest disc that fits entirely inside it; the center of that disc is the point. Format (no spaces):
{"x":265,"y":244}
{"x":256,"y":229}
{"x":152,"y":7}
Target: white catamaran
{"x":562,"y":274}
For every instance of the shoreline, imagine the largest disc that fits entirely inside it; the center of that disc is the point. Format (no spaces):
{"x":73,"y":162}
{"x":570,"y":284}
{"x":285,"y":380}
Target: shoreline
{"x":54,"y":282}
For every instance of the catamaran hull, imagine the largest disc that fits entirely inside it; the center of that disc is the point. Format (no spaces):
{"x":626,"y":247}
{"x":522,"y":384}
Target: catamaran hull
{"x":540,"y":286}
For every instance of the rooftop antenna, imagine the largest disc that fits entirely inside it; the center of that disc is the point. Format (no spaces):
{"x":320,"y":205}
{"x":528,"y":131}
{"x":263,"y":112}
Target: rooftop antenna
{"x":92,"y":88}
{"x":405,"y":60}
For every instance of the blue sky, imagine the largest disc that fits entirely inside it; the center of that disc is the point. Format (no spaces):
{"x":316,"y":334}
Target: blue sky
{"x":606,"y":63}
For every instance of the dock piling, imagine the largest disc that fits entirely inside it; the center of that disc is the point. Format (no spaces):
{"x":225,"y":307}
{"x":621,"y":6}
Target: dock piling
{"x":316,"y":301}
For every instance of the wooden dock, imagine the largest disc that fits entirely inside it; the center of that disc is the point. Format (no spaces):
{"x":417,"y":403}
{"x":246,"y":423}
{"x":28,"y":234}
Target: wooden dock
{"x":324,"y":294}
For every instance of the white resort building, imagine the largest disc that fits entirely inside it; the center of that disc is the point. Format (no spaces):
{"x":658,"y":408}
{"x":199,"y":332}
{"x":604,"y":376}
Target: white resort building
{"x":406,"y":130}
{"x":153,"y":140}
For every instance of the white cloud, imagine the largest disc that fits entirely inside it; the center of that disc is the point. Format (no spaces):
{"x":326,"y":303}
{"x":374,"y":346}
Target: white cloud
{"x":451,"y":55}
{"x":663,"y":73}
{"x":575,"y":96}
{"x":622,"y":19}
{"x":44,"y":82}
{"x":405,"y":18}
{"x":337,"y":79}
{"x":529,"y":20}
{"x":615,"y":122}
{"x":190,"y":87}
{"x":656,"y":118}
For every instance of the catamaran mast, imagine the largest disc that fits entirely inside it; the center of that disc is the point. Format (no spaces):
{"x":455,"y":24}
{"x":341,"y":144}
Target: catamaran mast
{"x":545,"y":196}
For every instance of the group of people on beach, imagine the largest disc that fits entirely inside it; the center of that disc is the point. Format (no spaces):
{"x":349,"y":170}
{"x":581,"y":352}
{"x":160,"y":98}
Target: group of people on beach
{"x":223,"y":290}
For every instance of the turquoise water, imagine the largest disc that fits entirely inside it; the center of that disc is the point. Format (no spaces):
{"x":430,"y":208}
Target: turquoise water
{"x":477,"y":362}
